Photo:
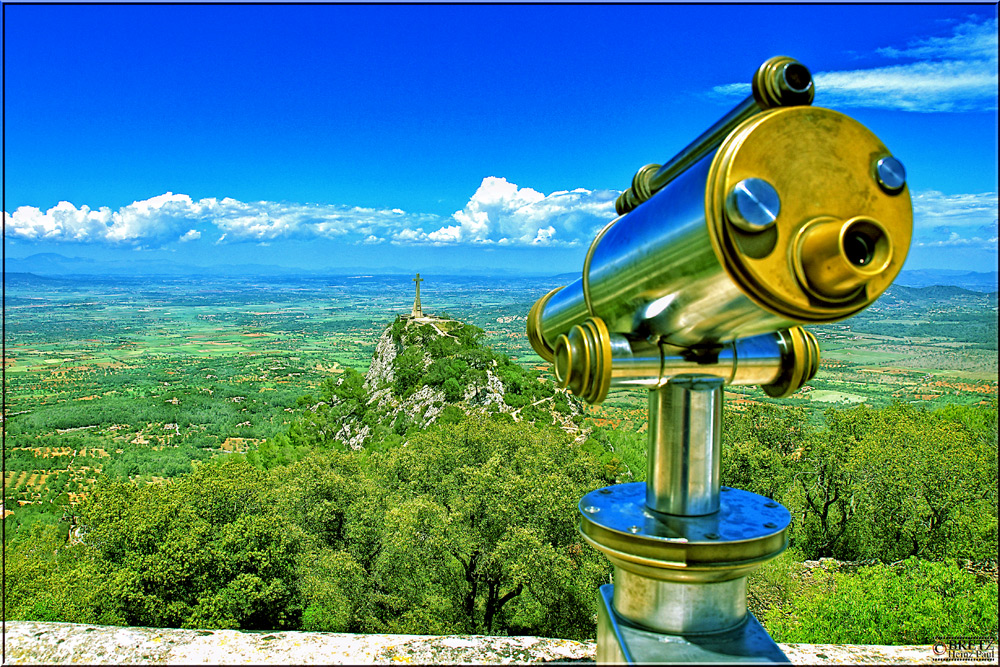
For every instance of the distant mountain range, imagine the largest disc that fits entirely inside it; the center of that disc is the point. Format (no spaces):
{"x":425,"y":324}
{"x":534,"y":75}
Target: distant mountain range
{"x":56,"y":265}
{"x":970,"y":280}
{"x":936,"y":293}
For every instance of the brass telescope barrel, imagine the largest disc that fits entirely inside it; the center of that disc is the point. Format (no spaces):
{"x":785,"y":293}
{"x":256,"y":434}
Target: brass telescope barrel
{"x":800,"y":216}
{"x":779,"y":81}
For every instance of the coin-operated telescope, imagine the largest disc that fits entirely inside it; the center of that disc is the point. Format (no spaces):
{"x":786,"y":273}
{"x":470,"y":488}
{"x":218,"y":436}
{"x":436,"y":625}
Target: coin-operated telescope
{"x":781,"y":214}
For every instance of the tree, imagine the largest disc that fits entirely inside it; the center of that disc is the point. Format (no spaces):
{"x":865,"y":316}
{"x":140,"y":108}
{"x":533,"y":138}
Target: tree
{"x":897,"y":482}
{"x":49,"y":580}
{"x":777,"y":429}
{"x":928,"y":483}
{"x":481,"y":536}
{"x":206,"y":551}
{"x":335,"y":592}
{"x":408,"y":369}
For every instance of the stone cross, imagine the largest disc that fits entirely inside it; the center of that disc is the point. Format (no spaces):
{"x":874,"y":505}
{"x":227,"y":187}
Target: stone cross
{"x":417,"y":311}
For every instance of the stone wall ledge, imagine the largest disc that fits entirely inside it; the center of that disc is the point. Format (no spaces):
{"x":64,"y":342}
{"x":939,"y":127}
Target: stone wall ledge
{"x":29,"y":643}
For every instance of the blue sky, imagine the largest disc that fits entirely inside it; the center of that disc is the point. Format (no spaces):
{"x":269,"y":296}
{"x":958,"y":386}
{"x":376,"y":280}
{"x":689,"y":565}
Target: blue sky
{"x":442,"y":137}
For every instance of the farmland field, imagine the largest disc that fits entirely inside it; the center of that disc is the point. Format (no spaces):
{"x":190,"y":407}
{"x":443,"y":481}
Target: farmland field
{"x":827,"y":396}
{"x":137,"y":378}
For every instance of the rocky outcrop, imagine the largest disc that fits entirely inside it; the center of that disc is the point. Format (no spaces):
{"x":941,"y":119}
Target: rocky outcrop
{"x":391,"y":406}
{"x":488,"y":393}
{"x":380,"y":374}
{"x":353,"y":435}
{"x":420,"y":408}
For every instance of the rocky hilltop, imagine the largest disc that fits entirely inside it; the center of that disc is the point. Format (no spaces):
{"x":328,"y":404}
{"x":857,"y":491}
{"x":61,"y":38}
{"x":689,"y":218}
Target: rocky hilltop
{"x":436,"y":369}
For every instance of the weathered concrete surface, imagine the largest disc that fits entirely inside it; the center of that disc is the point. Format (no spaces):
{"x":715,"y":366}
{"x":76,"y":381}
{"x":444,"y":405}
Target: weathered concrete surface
{"x":854,"y":654}
{"x":30,"y":643}
{"x":69,"y":643}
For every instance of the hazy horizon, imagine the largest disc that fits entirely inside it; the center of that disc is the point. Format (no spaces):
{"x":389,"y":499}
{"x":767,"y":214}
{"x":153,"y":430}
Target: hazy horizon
{"x":55,"y":266}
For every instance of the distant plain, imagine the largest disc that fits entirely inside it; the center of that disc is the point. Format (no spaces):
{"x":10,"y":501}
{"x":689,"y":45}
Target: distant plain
{"x":137,"y":377}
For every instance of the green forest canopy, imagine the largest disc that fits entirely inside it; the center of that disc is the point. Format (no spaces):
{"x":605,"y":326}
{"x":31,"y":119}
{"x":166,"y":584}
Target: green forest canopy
{"x":468,"y":526}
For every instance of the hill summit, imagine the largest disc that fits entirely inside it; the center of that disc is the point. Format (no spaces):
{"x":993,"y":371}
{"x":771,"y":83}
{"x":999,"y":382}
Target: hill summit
{"x":431,"y":369}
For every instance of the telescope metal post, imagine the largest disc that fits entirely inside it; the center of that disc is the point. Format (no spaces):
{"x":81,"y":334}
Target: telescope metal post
{"x":656,"y":616}
{"x":685,"y":436}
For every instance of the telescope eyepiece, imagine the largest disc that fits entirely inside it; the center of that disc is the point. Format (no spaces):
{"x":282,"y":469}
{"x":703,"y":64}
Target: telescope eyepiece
{"x":782,"y":81}
{"x":836,"y":258}
{"x":796,"y":77}
{"x":866,"y":245}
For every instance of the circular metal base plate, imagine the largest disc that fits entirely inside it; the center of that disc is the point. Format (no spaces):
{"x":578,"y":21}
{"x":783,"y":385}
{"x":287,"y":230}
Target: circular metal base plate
{"x":747,"y":530}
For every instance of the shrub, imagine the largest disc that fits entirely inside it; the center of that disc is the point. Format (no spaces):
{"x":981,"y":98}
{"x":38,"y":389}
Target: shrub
{"x":408,"y":368}
{"x":881,"y":604}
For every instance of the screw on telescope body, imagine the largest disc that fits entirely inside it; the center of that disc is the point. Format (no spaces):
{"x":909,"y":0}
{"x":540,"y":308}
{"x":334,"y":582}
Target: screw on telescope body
{"x":753,"y":205}
{"x":891,"y":174}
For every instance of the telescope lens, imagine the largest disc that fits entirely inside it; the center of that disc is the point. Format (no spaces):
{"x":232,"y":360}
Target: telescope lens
{"x":858,"y":248}
{"x":797,"y":77}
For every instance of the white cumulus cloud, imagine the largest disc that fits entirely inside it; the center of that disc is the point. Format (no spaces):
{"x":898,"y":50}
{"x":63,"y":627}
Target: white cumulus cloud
{"x":170,"y":216}
{"x":153,"y":219}
{"x":499,"y":213}
{"x":62,"y":222}
{"x":502,"y":213}
{"x":963,"y":220}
